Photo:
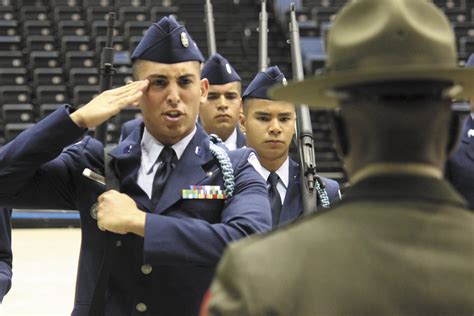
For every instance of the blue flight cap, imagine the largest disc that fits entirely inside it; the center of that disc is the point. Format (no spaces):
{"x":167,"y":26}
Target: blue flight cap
{"x":219,"y":71}
{"x":262,"y":82}
{"x":167,"y":42}
{"x":470,"y":61}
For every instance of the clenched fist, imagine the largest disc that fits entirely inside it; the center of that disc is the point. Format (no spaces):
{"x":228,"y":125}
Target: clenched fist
{"x":118,"y":213}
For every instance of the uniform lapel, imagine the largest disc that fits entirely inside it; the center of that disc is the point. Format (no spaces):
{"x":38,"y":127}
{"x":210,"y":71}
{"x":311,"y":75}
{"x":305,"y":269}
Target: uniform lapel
{"x":188,"y":171}
{"x":127,"y":155}
{"x":292,"y":204}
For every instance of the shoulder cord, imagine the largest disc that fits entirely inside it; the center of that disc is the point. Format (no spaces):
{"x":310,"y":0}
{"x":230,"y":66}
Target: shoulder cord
{"x":226,"y":166}
{"x":323,"y":195}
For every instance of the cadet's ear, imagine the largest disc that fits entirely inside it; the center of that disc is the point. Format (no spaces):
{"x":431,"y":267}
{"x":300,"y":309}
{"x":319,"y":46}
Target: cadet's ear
{"x":340,"y":134}
{"x":204,"y":90}
{"x":454,"y":133}
{"x":242,"y":123}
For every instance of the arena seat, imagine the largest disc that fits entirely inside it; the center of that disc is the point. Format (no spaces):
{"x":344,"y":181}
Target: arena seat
{"x":47,"y":76}
{"x":13,"y":76}
{"x":79,"y":59}
{"x":15,"y":94}
{"x":83,"y":76}
{"x":51,"y":94}
{"x":11,"y":59}
{"x":43,"y":59}
{"x":35,"y":27}
{"x":9,"y":27}
{"x":18,"y":113}
{"x":40,"y":43}
{"x":75,"y":43}
{"x":77,"y":28}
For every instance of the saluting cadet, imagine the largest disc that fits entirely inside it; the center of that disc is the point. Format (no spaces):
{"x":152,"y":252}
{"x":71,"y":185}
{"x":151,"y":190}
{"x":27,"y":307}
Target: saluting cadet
{"x":400,"y":242}
{"x":460,"y":166}
{"x":5,"y":252}
{"x":269,"y":126}
{"x":219,"y":114}
{"x":182,"y":198}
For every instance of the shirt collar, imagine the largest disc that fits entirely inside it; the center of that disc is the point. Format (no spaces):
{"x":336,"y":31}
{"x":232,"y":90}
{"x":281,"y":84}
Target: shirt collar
{"x":231,"y":141}
{"x":283,"y":172}
{"x":151,"y":148}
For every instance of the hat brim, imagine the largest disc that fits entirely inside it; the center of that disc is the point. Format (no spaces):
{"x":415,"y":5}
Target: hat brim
{"x":317,"y":92}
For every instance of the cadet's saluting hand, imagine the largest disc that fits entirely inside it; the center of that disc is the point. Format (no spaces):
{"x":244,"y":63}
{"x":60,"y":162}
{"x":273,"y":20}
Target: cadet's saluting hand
{"x":108,"y":104}
{"x":118,"y":213}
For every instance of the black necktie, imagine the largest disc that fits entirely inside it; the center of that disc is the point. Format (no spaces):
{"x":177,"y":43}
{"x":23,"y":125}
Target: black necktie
{"x":275,"y":200}
{"x":168,"y":159}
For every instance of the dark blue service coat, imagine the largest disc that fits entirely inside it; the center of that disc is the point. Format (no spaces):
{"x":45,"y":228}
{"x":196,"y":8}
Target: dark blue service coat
{"x":5,"y":252}
{"x":184,"y":238}
{"x":128,"y":127}
{"x":292,"y":206}
{"x":460,"y":166}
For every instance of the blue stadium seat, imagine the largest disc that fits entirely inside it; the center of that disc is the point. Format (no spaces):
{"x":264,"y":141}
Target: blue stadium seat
{"x":10,"y":59}
{"x":8,"y":13}
{"x":18,"y":113}
{"x":75,"y":43}
{"x":35,"y":27}
{"x":15,"y":94}
{"x":51,"y":94}
{"x":40,"y":43}
{"x":79,"y":59}
{"x":77,"y":28}
{"x":68,"y":14}
{"x":9,"y":43}
{"x":9,"y":27}
{"x":43,"y":59}
{"x":83,"y":76}
{"x":13,"y":76}
{"x":48,"y":76}
{"x":40,"y":13}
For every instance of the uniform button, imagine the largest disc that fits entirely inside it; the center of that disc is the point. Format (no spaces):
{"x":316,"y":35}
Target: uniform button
{"x":141,"y":307}
{"x":146,"y":269}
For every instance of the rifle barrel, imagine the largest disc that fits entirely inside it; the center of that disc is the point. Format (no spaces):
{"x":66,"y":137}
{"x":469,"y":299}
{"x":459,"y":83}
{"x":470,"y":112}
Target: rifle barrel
{"x":211,"y":35}
{"x":106,"y":73}
{"x":304,"y":129}
{"x":263,"y":38}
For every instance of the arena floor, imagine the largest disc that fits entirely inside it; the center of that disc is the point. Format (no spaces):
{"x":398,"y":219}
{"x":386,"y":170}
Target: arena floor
{"x":44,"y":272}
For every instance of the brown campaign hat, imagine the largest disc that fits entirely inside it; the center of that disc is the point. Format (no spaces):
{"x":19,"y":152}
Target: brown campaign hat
{"x":383,"y":41}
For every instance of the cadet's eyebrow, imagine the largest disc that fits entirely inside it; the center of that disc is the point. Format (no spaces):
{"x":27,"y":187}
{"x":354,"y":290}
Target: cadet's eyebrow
{"x":262,"y":113}
{"x":285,"y":114}
{"x":153,"y":76}
{"x":157,"y":76}
{"x":186,"y":75}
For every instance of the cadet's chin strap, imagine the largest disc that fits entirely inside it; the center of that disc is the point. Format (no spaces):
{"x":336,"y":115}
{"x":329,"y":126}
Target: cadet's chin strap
{"x":226,"y":166}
